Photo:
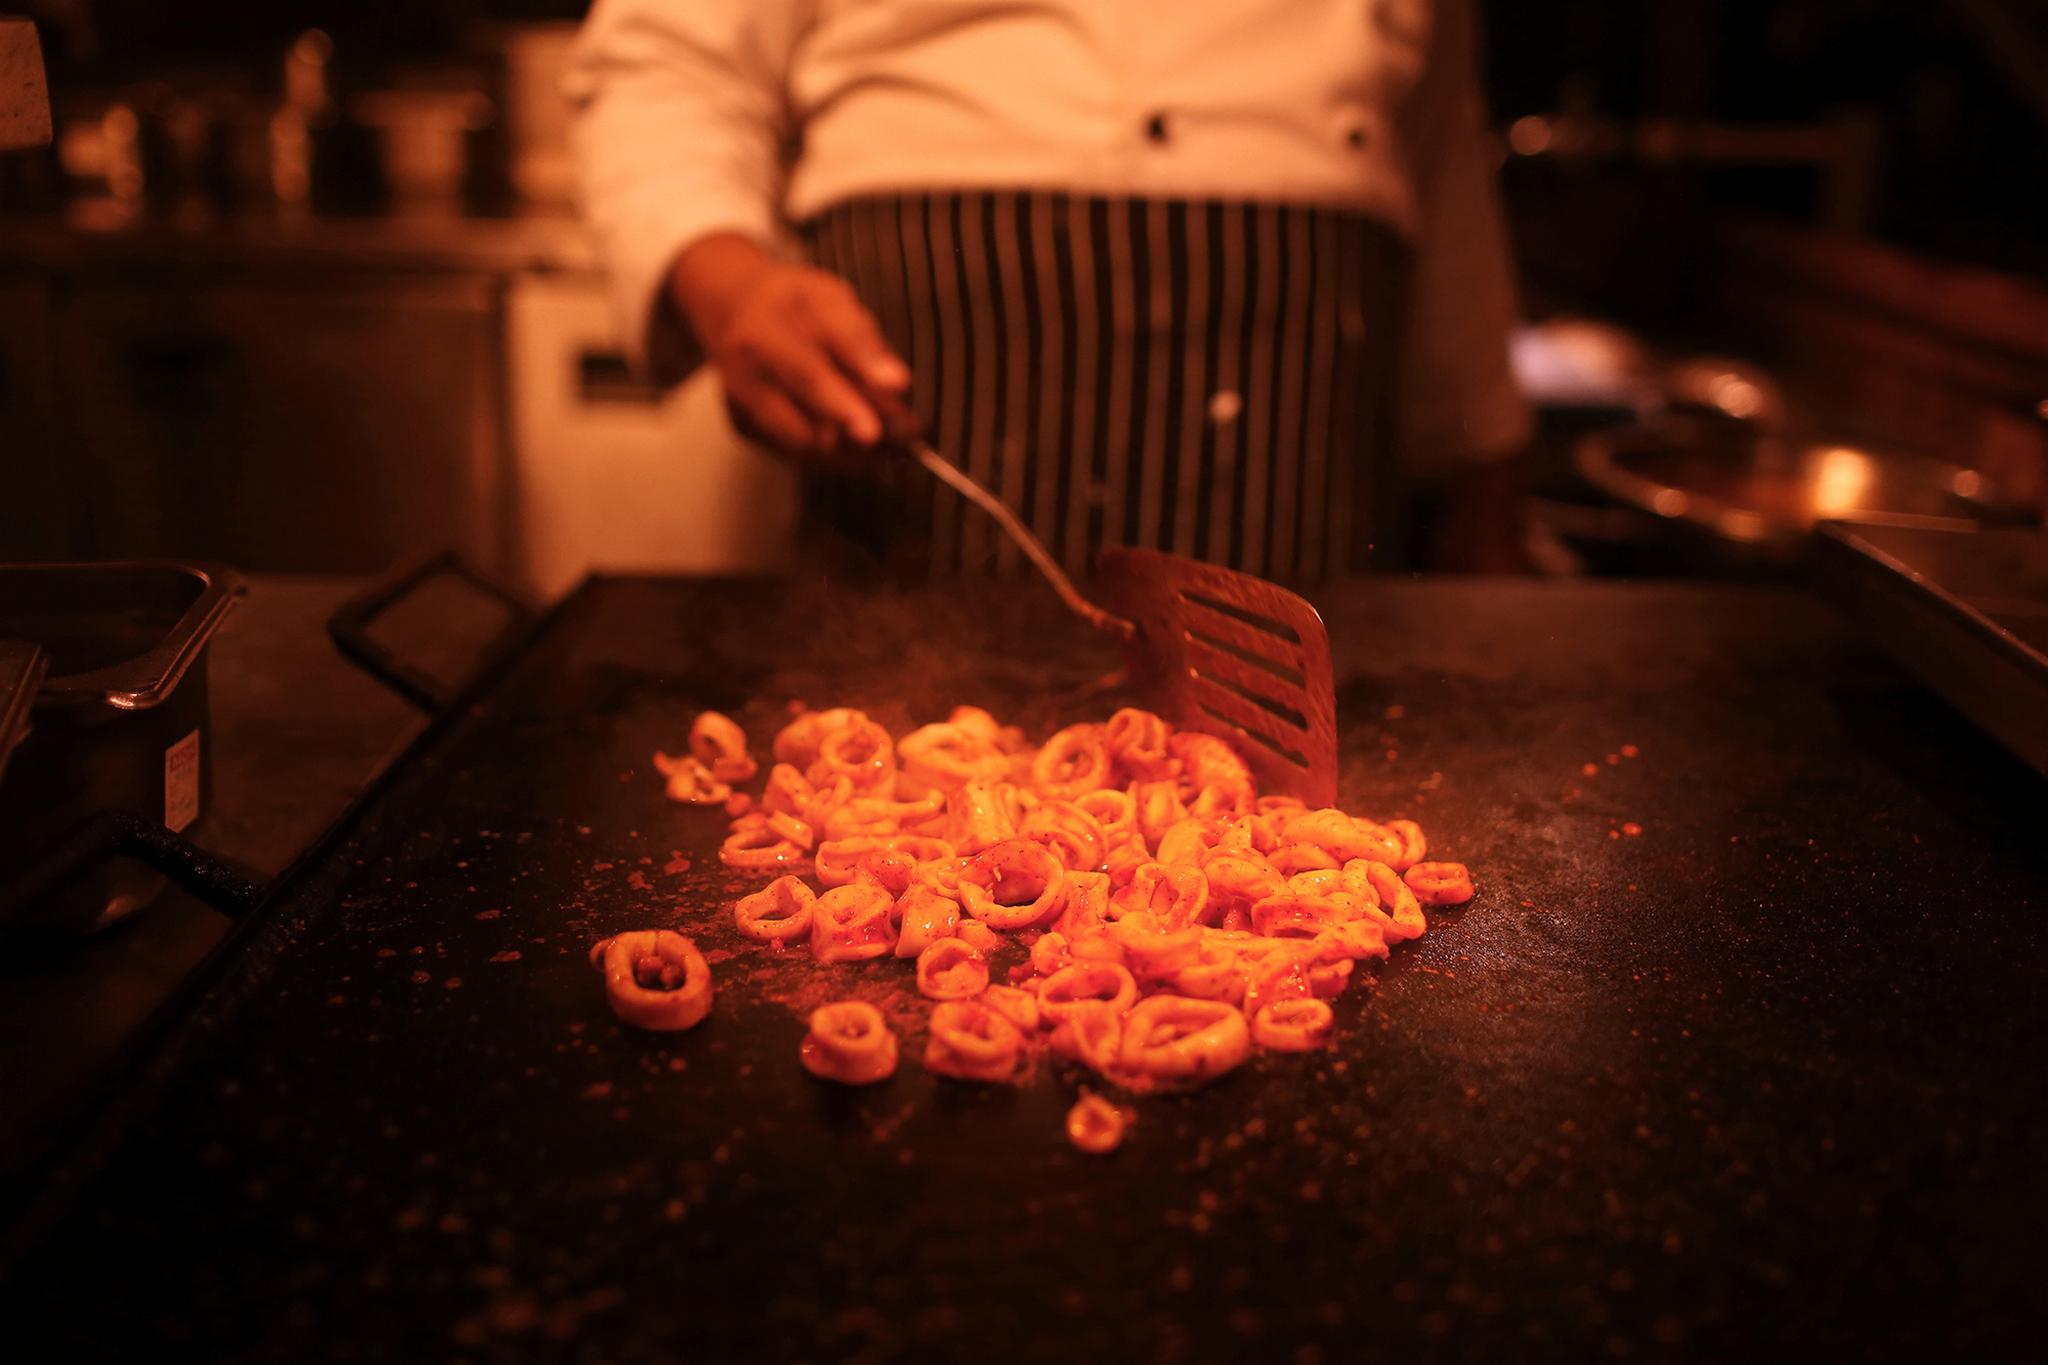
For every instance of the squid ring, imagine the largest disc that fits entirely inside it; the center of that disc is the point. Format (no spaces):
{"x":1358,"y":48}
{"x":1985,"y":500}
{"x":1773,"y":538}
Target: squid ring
{"x":1175,"y":892}
{"x":1011,"y":885}
{"x":950,"y":970}
{"x":852,"y":922}
{"x":849,"y":1042}
{"x":1439,"y":883}
{"x":720,"y":745}
{"x":690,"y":782}
{"x":656,"y":979}
{"x":1091,"y":1035}
{"x":1095,"y":1125}
{"x":1137,"y":741}
{"x":861,"y":751}
{"x":972,"y":1042}
{"x":1015,"y":1004}
{"x":1397,"y":902}
{"x":1172,"y":1039}
{"x":1072,"y":762}
{"x":924,"y":917}
{"x":759,"y":847}
{"x":1293,"y":1025}
{"x":778,"y":913}
{"x":1091,"y":982}
{"x":1294,"y":915}
{"x":1049,"y":954}
{"x":1414,"y":847}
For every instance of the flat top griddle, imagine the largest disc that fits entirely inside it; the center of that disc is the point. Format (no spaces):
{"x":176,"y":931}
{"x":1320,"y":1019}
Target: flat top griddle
{"x":1768,"y":1074}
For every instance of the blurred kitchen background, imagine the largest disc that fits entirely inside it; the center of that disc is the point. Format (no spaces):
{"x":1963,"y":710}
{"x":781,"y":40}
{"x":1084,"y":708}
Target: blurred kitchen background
{"x":300,"y":286}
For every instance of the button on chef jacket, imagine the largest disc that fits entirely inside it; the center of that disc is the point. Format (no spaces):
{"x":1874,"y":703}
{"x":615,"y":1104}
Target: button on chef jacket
{"x":1253,"y":240}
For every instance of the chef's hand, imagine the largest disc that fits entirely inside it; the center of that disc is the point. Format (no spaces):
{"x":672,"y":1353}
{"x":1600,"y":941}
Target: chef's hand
{"x":805,"y":368}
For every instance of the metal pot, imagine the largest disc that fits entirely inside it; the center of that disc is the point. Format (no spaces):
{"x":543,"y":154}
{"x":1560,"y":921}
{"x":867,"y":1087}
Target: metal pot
{"x":119,"y":725}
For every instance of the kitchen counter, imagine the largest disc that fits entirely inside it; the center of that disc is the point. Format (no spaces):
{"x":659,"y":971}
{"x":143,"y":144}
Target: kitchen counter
{"x":1736,"y":1052}
{"x":110,"y":234}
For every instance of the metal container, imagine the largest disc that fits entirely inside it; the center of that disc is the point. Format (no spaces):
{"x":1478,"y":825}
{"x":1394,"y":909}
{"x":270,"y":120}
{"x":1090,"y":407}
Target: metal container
{"x":120,"y":722}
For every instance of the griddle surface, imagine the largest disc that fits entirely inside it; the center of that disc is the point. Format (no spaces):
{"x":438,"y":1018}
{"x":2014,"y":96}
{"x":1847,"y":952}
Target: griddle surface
{"x":1768,"y":1075}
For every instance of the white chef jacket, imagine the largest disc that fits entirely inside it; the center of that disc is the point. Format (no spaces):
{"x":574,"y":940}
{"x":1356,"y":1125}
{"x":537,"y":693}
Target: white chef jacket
{"x":702,"y":116}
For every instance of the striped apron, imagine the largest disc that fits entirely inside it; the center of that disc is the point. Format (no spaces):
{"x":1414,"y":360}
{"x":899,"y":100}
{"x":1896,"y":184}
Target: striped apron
{"x":1211,"y":378}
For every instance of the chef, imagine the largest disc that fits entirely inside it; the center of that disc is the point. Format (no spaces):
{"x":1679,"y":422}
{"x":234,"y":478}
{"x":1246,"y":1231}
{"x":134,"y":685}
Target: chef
{"x":1203,"y":276}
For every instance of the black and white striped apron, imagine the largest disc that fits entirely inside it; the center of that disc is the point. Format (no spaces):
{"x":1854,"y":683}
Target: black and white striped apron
{"x":1212,"y":378}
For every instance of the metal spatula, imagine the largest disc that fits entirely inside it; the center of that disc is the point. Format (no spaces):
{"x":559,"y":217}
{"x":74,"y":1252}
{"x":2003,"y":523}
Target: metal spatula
{"x":1209,"y":648}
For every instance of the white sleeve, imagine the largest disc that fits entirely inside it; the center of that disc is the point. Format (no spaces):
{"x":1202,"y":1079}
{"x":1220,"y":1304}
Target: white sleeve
{"x":1459,"y":400}
{"x":682,"y":117}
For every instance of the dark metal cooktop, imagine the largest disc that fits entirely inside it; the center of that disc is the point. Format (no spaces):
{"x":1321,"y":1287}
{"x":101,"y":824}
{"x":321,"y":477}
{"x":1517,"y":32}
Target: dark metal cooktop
{"x":1767,"y":1074}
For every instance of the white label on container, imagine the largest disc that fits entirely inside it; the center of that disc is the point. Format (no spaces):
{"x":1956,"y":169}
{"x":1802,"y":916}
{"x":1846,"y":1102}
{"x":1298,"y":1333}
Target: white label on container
{"x":181,"y":783}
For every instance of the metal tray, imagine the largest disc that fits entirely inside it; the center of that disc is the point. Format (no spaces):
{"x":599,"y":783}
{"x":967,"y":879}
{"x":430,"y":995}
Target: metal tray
{"x":1964,"y":610}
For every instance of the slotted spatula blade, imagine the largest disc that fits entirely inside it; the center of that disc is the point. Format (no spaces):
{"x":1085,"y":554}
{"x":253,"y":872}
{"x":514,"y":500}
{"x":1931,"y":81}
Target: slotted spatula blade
{"x":1234,"y":656}
{"x":1209,"y":648}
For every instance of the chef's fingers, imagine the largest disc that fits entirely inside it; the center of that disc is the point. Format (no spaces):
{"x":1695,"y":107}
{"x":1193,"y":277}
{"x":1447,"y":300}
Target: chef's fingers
{"x":855,"y":339}
{"x":803,"y":369}
{"x":766,"y":415}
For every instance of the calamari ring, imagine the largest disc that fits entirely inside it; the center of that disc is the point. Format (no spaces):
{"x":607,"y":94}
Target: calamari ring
{"x":950,"y":970}
{"x":1398,"y":904}
{"x":1280,"y":974}
{"x":1072,"y":762}
{"x":1087,"y":982}
{"x":888,"y":867}
{"x":973,"y":1042}
{"x":1291,"y":859}
{"x":1188,"y":841}
{"x":1293,"y":1025}
{"x":788,"y":791}
{"x":977,"y":818}
{"x":1159,"y":808}
{"x":880,"y":815}
{"x":689,"y":782}
{"x":976,"y":722}
{"x":1137,"y":743}
{"x":721,"y":746}
{"x":978,"y":936}
{"x":759,"y":848}
{"x":1208,"y":762}
{"x":1342,"y":836}
{"x":924,"y":918}
{"x":1439,"y":883}
{"x":1253,"y":831}
{"x":1084,"y":904}
{"x":1328,"y":979}
{"x":778,"y":913}
{"x":1092,"y":1034}
{"x":1114,"y":812}
{"x":1124,"y":859}
{"x":849,"y":1042}
{"x":1323,"y":881}
{"x":797,"y":742}
{"x":948,"y":754}
{"x":1011,"y":885}
{"x":1015,"y":1004}
{"x":1414,"y":847}
{"x":1151,"y":949}
{"x":1073,"y":835}
{"x":1353,"y":940}
{"x":1177,"y":893}
{"x":1239,"y":876}
{"x":1293,"y":915}
{"x":838,"y":860}
{"x":850,"y":923}
{"x":1173,"y":1040}
{"x":1221,"y":802}
{"x":1095,"y":1125}
{"x":1215,"y":972}
{"x":861,"y":751}
{"x":1049,"y":954}
{"x":655,"y":979}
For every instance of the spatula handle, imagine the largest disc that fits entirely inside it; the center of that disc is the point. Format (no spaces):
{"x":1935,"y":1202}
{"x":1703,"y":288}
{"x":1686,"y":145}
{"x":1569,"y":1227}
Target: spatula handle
{"x":962,"y":483}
